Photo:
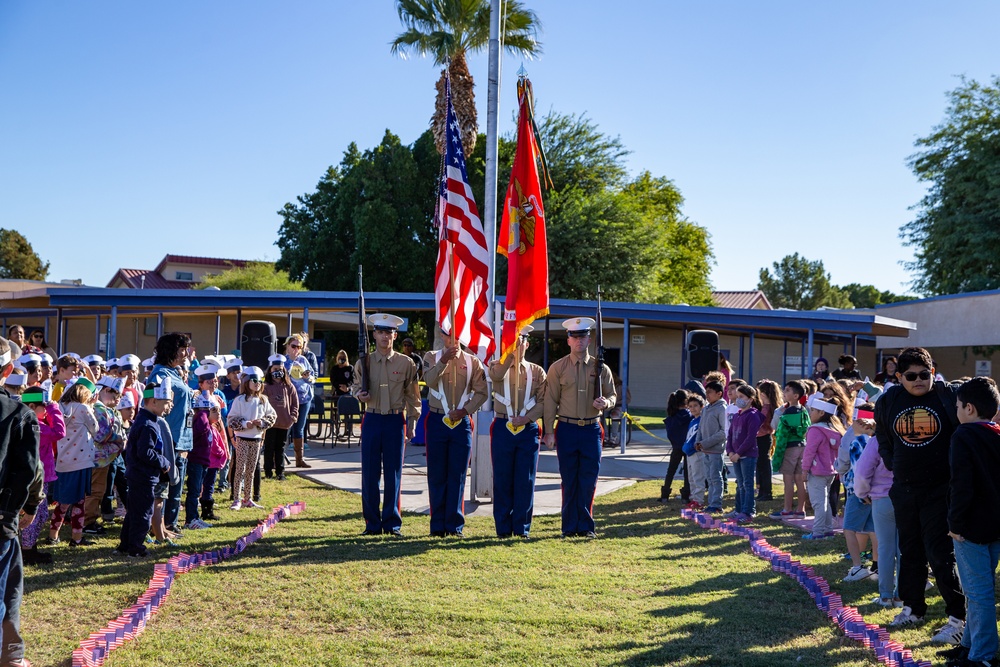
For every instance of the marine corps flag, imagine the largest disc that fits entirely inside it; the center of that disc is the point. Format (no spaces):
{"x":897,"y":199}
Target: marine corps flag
{"x":522,"y":232}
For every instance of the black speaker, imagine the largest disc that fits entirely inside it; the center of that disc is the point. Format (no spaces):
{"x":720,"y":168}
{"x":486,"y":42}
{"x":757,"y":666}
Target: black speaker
{"x":702,"y":353}
{"x":258,"y":342}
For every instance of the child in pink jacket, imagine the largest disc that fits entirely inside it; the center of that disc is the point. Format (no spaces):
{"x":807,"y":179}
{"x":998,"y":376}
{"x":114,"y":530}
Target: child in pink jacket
{"x":818,"y":458}
{"x":52,"y":429}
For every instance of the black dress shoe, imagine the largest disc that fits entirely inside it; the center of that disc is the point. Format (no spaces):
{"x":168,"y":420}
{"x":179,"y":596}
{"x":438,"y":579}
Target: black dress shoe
{"x":437,"y":533}
{"x":570,"y":534}
{"x":590,"y":535}
{"x":504,"y":536}
{"x":371,"y":532}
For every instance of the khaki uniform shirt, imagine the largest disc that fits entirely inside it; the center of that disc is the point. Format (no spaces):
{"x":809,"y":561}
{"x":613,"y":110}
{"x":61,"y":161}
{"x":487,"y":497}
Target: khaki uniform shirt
{"x":392,"y":384}
{"x":569,"y":389}
{"x":436,"y":372}
{"x":497,"y":373}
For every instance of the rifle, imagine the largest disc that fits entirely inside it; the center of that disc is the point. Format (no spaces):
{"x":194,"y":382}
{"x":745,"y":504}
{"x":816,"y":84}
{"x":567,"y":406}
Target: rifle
{"x":598,"y":384}
{"x":362,"y":334}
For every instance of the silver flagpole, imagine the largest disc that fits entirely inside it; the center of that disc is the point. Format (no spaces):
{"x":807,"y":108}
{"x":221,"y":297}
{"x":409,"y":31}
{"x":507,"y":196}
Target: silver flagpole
{"x":482,"y":468}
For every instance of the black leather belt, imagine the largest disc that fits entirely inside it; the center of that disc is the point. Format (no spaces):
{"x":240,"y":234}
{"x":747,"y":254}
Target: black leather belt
{"x":579,"y":422}
{"x":391,"y":412}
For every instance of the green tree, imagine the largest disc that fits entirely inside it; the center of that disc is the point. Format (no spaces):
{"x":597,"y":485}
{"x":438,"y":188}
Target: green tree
{"x":450,"y":30}
{"x":254,"y":276}
{"x":18,"y":259}
{"x":375,"y":209}
{"x":868,"y":296}
{"x":800,"y":284}
{"x":956,"y":232}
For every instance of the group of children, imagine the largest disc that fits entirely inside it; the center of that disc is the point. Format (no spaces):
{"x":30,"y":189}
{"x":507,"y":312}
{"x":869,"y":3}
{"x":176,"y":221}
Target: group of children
{"x":104,"y":436}
{"x":820,"y":435}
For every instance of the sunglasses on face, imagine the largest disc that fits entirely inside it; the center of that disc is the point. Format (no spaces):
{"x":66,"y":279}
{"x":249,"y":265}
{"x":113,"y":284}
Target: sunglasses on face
{"x":922,"y":375}
{"x":255,"y":380}
{"x":295,"y":347}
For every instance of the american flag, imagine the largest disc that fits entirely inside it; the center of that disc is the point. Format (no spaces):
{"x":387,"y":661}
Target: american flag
{"x":462,"y":264}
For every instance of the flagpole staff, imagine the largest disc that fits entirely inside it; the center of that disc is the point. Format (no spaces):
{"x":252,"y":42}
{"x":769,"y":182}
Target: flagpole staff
{"x":454,"y":334}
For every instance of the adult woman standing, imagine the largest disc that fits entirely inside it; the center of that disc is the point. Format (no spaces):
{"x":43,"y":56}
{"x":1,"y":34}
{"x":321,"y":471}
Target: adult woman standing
{"x":341,"y":379}
{"x":302,"y":374}
{"x":769,"y":392}
{"x":285,"y":401}
{"x":677,"y":422}
{"x":848,"y":368}
{"x":821,"y":371}
{"x":15,"y":336}
{"x":888,"y":374}
{"x":37,"y":340}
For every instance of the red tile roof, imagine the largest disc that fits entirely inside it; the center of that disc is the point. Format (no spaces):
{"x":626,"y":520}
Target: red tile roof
{"x":748,"y":299}
{"x":133,"y":278}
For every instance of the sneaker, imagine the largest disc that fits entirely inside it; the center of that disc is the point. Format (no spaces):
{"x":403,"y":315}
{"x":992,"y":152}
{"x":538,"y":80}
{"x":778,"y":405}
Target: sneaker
{"x":744,"y":519}
{"x":955,"y":653}
{"x":857,"y":573}
{"x":714,"y":510}
{"x":139,"y":554}
{"x":904,"y":618}
{"x":817,"y":536}
{"x":693,"y":505}
{"x":950,"y":633}
{"x":202,"y":523}
{"x":799,"y":515}
{"x":888,"y":603}
{"x":781,"y":514}
{"x":252,"y":504}
{"x":94,"y":529}
{"x":236,"y":506}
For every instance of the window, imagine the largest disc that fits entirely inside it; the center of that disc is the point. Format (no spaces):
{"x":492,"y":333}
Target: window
{"x":184,"y":275}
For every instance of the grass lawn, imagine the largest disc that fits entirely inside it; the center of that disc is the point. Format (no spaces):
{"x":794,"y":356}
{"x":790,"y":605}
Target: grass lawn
{"x":653,"y":590}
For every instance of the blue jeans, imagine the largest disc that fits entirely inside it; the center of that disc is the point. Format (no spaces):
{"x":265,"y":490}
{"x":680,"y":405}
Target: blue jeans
{"x":745,"y":470}
{"x":977,"y":564}
{"x":299,"y":427}
{"x":172,"y":506}
{"x":713,"y":468}
{"x":200,"y":483}
{"x":12,"y":587}
{"x":888,"y":546}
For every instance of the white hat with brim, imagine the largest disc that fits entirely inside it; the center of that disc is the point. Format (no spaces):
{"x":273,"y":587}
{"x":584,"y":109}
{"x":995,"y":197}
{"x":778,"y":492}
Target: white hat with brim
{"x":16,"y":380}
{"x":112,"y":383}
{"x":253,"y":372}
{"x":277,"y":359}
{"x":235,"y":363}
{"x":129,"y":362}
{"x":206,"y":371}
{"x":94,"y":360}
{"x":819,"y":403}
{"x":385,"y":321}
{"x":578,"y":327}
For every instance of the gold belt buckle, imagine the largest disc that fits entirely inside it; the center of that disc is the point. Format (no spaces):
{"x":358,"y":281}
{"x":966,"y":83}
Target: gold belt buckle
{"x":581,"y":422}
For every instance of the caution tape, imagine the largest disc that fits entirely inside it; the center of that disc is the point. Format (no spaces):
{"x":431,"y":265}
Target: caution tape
{"x":643,"y":428}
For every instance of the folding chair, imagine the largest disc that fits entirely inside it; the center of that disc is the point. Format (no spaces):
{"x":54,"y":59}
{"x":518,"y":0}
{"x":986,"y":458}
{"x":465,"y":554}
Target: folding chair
{"x":348,"y":412}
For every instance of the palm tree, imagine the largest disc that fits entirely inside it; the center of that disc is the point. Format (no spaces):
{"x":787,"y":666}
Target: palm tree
{"x":450,"y":29}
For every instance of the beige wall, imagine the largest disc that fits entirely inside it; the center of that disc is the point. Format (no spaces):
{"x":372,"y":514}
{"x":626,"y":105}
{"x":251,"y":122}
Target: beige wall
{"x":655,"y":365}
{"x":954,"y":322}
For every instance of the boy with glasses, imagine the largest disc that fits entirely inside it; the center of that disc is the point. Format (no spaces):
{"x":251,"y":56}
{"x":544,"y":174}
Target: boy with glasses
{"x":914,"y":422}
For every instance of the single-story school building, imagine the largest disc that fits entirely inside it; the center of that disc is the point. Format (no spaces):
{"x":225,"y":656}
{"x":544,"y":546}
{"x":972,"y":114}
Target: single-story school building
{"x":645,"y":342}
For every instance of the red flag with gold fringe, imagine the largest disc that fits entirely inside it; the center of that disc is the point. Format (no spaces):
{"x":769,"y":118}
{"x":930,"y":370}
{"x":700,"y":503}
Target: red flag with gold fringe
{"x":522,"y":232}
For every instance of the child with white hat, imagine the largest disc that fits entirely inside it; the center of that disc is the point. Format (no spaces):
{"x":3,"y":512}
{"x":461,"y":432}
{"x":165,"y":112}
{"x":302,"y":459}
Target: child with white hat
{"x":250,"y":416}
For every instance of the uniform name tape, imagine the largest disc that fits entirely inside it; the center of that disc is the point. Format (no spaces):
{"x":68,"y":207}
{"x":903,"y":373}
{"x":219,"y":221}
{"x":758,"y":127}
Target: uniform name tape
{"x":849,"y":619}
{"x":94,"y":650}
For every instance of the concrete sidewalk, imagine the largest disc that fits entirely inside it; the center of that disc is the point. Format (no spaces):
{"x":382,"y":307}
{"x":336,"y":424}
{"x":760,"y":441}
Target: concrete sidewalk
{"x":340,"y":467}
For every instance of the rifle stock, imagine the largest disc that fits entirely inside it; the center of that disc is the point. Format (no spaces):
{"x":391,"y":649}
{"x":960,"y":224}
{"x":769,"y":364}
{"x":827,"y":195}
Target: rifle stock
{"x":362,"y":334}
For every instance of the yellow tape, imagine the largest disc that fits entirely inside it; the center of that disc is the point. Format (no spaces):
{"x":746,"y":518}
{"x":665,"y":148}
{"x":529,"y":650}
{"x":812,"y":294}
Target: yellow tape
{"x":643,"y":428}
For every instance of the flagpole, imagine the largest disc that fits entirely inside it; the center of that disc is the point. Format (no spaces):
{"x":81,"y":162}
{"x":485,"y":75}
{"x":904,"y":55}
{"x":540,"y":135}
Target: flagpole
{"x":454,"y":334}
{"x":482,"y":472}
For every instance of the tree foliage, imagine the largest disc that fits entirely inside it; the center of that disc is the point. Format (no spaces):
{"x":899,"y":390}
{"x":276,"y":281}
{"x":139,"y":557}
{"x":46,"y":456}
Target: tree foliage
{"x":254,"y":276}
{"x":956,"y":232}
{"x":868,"y":296}
{"x":18,"y":259}
{"x":377,"y":208}
{"x":800,"y":284}
{"x":449,"y":31}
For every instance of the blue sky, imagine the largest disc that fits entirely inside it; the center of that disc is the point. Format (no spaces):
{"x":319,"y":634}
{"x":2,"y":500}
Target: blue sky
{"x":130,"y":130}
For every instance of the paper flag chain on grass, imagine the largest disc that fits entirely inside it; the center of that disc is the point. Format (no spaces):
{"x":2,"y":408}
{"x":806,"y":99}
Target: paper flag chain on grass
{"x":94,"y":650}
{"x":849,"y":619}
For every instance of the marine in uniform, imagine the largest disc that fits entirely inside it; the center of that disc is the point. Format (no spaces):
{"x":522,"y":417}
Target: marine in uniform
{"x":570,"y":405}
{"x":518,"y":398}
{"x":392,"y":396}
{"x":456,"y":382}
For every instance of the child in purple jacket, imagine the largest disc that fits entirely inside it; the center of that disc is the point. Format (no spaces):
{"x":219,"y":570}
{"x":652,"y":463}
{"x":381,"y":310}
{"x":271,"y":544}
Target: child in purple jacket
{"x":872,"y":481}
{"x":741,"y":446}
{"x":52,"y":429}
